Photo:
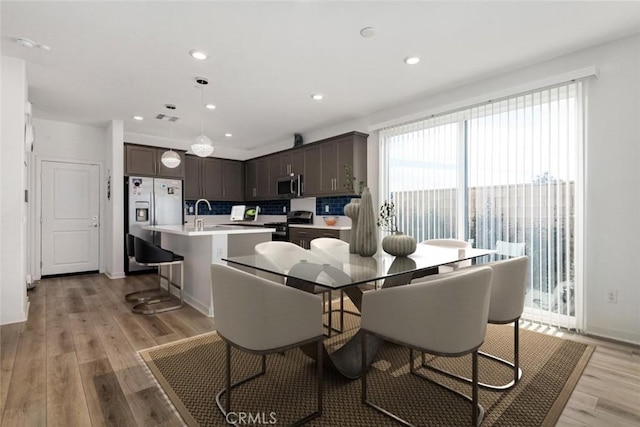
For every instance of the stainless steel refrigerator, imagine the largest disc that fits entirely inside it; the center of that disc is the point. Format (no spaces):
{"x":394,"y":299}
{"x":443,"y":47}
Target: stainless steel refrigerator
{"x":150,"y":201}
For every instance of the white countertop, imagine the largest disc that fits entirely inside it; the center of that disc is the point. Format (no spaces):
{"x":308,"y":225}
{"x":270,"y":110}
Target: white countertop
{"x":209,"y":230}
{"x":321,"y":227}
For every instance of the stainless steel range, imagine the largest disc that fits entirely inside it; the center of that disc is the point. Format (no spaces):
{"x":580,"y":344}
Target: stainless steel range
{"x":281,"y":233}
{"x":282,"y":228}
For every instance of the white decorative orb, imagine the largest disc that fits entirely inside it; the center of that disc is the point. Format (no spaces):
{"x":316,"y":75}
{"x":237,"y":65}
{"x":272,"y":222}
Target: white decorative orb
{"x":202,"y":146}
{"x":170,"y":159}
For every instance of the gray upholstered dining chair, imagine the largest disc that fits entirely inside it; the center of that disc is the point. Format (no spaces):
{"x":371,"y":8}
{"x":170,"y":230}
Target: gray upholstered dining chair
{"x":406,"y":315}
{"x":323,"y":246}
{"x":508,"y":288}
{"x":258,"y":316}
{"x":283,"y":256}
{"x":450,"y":243}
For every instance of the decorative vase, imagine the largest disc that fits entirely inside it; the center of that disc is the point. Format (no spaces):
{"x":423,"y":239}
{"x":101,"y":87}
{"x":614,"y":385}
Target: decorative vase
{"x":352,"y":210}
{"x":367,"y":229}
{"x":399,"y":244}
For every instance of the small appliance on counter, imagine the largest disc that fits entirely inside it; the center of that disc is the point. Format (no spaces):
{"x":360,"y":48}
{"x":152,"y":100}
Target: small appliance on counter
{"x":244,"y":213}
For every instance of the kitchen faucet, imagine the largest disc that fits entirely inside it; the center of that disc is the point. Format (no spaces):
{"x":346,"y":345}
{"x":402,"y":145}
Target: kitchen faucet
{"x":198,"y":223}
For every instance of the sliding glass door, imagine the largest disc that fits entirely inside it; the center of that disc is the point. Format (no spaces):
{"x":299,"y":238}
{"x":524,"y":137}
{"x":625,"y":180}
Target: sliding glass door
{"x":503,"y":175}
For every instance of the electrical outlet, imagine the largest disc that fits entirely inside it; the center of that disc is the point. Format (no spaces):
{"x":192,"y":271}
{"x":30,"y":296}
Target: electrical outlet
{"x":284,"y":209}
{"x":326,"y":208}
{"x":612,"y":296}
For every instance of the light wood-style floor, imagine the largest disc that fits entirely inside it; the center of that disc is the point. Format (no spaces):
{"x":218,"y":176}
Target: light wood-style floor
{"x":75,"y":362}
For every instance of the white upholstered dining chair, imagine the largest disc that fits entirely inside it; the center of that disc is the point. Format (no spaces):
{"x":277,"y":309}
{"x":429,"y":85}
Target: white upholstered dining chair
{"x":258,"y":316}
{"x":508,"y":288}
{"x":406,"y":315}
{"x":450,"y":243}
{"x":325,"y":247}
{"x":283,"y":256}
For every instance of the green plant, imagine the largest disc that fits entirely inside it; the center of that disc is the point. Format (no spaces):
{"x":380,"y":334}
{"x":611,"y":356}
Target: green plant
{"x":349,"y":180}
{"x":387,"y":216}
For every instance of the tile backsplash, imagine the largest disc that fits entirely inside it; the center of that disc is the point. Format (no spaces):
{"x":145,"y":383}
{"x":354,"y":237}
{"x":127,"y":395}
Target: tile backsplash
{"x":267,"y":207}
{"x":335,"y":204}
{"x":273,"y":207}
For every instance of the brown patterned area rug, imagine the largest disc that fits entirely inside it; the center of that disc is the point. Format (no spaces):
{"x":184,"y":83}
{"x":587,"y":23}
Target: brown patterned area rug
{"x":191,"y":372}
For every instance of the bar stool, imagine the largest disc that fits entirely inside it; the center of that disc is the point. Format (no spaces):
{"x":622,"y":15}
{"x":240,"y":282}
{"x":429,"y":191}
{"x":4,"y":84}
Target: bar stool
{"x":151,"y":255}
{"x":144,"y":294}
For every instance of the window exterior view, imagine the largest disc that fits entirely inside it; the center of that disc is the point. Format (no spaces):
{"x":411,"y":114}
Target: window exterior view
{"x":504,"y":176}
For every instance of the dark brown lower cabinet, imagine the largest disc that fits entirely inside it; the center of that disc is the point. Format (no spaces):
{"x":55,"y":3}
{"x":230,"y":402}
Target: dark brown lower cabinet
{"x":302,"y":236}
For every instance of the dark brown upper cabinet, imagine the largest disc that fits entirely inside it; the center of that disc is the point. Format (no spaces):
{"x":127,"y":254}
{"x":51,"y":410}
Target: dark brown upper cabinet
{"x":211,"y":178}
{"x":232,"y":180}
{"x":262,"y":175}
{"x":312,"y":170}
{"x":336,"y":166}
{"x":250,"y":179}
{"x":192,"y":180}
{"x":146,"y":161}
{"x":292,"y":162}
{"x":211,"y":175}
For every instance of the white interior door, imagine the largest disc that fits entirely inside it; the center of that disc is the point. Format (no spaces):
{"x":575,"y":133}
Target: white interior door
{"x":70,"y":217}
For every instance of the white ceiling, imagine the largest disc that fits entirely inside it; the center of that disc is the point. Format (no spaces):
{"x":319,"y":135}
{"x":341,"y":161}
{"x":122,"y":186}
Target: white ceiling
{"x":113,"y":60}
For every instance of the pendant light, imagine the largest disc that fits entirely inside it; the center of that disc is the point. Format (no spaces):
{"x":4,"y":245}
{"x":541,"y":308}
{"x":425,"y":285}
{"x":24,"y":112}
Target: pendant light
{"x":202,"y":146}
{"x":170,"y":158}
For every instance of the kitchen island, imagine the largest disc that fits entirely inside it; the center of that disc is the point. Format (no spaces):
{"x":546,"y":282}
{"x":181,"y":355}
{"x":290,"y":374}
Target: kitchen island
{"x":201,"y":248}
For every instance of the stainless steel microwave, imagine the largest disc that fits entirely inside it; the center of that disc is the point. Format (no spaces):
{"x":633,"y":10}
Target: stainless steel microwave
{"x":290,"y":185}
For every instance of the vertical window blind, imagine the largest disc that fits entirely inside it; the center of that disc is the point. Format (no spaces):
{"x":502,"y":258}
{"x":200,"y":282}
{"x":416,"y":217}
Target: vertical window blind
{"x":503,"y":175}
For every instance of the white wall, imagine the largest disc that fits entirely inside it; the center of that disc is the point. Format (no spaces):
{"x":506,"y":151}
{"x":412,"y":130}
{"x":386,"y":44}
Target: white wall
{"x":13,"y":209}
{"x":69,"y":141}
{"x":59,"y":141}
{"x":612,"y":194}
{"x":114,"y":207}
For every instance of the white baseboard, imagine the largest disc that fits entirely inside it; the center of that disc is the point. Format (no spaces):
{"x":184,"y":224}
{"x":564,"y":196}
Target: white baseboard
{"x":198,"y":306}
{"x":628,"y":337}
{"x":114,"y":276}
{"x":15,"y":316}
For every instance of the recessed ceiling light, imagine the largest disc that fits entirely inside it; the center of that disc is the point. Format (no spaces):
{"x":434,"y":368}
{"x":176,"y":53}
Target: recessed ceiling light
{"x":199,"y":55}
{"x":210,"y":106}
{"x":368,"y":32}
{"x":24,"y":42}
{"x":138,"y":118}
{"x":411,"y":60}
{"x":28,"y":43}
{"x":317,"y":96}
{"x":228,"y":135}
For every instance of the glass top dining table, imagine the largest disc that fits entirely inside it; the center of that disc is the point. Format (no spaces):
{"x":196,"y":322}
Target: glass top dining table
{"x":337,"y":269}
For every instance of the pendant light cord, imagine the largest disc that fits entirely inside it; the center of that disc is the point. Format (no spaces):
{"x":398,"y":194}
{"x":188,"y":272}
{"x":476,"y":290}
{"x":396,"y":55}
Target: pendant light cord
{"x":201,"y":115}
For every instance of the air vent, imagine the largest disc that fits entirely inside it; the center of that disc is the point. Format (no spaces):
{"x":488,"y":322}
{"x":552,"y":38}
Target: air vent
{"x":167,"y":117}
